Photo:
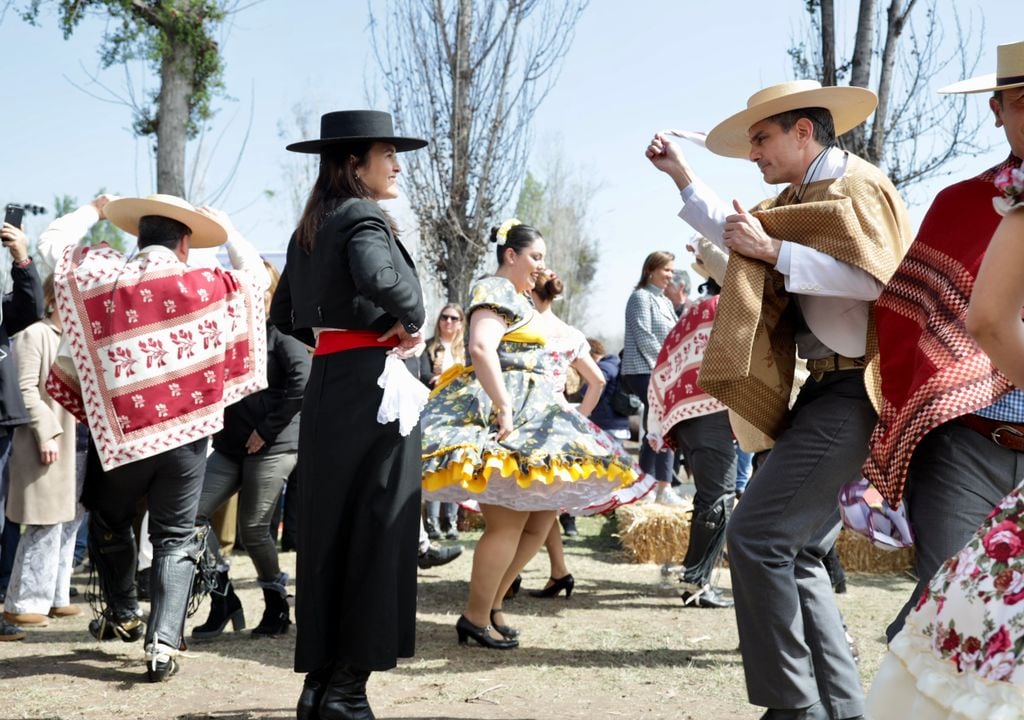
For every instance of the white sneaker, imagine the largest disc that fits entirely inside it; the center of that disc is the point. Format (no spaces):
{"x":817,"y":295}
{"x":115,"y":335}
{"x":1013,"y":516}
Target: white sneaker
{"x":667,"y":496}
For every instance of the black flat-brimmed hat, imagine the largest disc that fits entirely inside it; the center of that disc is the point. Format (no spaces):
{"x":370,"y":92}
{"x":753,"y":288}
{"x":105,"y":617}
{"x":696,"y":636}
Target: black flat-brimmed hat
{"x":346,"y":126}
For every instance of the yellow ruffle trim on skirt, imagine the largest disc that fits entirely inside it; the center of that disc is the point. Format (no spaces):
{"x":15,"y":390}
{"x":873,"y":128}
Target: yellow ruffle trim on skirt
{"x":472,"y":476}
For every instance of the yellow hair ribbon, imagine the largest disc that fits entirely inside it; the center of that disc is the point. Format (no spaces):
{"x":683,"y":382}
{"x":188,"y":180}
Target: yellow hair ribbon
{"x":505,"y":227}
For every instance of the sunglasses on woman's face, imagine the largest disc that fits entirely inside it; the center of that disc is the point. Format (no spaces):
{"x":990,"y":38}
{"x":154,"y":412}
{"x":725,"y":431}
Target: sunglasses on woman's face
{"x":451,"y":318}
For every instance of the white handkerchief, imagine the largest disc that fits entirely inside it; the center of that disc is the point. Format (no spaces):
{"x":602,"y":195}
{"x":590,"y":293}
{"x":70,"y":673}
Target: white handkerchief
{"x":404,"y":396}
{"x":697,"y":138}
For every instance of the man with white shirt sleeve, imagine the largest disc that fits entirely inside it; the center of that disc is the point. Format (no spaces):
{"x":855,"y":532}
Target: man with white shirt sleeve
{"x":156,"y":350}
{"x":803,"y":272}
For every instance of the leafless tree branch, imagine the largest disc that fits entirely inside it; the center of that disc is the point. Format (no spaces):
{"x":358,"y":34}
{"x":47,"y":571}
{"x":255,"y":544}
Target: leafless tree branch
{"x":468,"y":76}
{"x":914,"y":132}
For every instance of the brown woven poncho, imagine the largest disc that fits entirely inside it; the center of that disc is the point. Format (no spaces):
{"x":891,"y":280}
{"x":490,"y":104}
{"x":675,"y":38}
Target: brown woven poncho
{"x":858,"y":219}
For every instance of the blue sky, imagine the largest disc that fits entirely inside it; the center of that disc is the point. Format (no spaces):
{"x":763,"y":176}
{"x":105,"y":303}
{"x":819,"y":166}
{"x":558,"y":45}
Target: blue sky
{"x":635,"y":68}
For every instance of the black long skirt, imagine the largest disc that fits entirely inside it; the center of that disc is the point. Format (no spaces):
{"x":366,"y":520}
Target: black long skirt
{"x":359,"y":504}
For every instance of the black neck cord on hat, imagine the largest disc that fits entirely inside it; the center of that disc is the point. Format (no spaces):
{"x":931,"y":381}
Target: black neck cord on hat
{"x":811,"y":169}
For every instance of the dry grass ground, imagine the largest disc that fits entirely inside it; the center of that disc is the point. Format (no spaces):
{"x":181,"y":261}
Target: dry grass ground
{"x":617,"y":649}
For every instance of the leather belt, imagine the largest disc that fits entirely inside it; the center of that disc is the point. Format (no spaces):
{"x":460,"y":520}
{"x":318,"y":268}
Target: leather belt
{"x":819,"y":366}
{"x":1004,"y":434}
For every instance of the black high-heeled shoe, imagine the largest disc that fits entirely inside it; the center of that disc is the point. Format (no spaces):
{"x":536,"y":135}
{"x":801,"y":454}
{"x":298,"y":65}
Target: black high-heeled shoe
{"x":506,"y":631}
{"x":513,"y":589}
{"x":467,"y":630}
{"x":557,"y":585}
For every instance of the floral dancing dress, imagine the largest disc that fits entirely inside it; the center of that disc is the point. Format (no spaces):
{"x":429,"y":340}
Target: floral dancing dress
{"x":561,"y":353}
{"x":551,"y":460}
{"x":960,"y":654}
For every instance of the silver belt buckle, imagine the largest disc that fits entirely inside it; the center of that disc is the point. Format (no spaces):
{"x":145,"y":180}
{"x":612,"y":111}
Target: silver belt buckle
{"x":1007,"y":428}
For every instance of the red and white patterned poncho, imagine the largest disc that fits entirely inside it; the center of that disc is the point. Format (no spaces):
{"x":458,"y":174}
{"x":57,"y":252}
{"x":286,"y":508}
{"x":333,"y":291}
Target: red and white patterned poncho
{"x":153,"y":350}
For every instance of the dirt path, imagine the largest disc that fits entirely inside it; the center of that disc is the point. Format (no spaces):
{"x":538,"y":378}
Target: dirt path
{"x":616,"y":649}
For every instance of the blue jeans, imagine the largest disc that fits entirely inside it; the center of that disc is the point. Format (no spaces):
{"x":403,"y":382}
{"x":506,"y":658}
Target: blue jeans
{"x":744,"y":466}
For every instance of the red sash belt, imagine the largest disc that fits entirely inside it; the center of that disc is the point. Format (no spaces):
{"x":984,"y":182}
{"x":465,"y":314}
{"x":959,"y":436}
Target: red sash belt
{"x":332,"y":341}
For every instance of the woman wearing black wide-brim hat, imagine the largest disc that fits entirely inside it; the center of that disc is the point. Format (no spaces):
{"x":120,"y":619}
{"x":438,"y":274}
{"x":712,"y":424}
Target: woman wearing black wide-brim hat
{"x":350,"y":289}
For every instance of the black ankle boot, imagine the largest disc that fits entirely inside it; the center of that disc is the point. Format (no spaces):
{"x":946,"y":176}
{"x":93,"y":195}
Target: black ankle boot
{"x":345,"y":697}
{"x":276,"y":615}
{"x":224,"y":607}
{"x":313,"y":688}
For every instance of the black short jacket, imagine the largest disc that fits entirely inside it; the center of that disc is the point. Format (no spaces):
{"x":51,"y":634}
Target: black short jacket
{"x":358,"y":277}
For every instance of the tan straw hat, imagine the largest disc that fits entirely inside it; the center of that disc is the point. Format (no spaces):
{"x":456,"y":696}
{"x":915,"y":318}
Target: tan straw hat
{"x":126,"y":212}
{"x":850,"y":106}
{"x":1009,"y":73}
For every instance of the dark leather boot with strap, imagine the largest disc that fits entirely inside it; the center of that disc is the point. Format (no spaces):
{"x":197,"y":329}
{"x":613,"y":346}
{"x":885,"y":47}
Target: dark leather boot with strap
{"x":225,"y":607}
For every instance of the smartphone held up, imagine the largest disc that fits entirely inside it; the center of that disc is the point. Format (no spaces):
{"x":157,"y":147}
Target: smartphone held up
{"x":14,"y":215}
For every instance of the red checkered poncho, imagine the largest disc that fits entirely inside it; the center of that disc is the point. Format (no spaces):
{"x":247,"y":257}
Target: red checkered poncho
{"x":932,"y":370}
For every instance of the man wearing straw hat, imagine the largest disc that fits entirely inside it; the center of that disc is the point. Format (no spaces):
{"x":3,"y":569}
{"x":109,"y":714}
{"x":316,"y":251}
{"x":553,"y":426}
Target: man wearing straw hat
{"x":950,"y":436}
{"x":155,"y":351}
{"x":804,"y":270}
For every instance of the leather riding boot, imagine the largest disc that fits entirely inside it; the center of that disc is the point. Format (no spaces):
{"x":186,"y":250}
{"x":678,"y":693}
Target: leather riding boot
{"x":345,"y":697}
{"x":174,"y":568}
{"x":224,"y":607}
{"x":112,"y":551}
{"x":277,"y":613}
{"x":313,"y":688}
{"x":836,"y":573}
{"x":707,"y":542}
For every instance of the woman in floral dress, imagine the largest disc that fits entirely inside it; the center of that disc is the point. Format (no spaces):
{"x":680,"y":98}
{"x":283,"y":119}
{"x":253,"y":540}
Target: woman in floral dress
{"x":961,"y":653}
{"x":495,"y":433}
{"x":568,"y":347}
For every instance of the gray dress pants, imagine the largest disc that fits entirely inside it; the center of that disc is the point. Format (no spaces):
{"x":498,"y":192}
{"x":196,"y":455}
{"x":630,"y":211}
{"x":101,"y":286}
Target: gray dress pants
{"x":791,"y":635}
{"x":956,"y":477}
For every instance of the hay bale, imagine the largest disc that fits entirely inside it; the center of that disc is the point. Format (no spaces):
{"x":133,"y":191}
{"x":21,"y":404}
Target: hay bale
{"x":859,"y":555}
{"x":654,"y":533}
{"x":470,"y":520}
{"x":659,"y":534}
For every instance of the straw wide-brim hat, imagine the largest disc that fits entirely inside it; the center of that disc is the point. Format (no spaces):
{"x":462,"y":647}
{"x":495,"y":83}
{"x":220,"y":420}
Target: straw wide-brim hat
{"x":126,"y":212}
{"x":1009,"y":73}
{"x":850,"y":106}
{"x":349,"y":126}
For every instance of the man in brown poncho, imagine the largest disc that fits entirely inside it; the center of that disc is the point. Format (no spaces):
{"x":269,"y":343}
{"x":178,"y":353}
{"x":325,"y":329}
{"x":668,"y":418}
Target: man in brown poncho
{"x":804,"y":270}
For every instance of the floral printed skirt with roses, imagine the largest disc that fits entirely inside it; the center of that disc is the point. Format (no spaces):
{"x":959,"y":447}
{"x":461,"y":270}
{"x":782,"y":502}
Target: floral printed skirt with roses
{"x":961,"y":652}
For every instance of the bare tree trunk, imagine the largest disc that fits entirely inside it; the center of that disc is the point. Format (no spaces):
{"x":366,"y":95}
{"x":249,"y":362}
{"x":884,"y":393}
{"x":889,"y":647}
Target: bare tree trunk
{"x":469,"y":76}
{"x":896,"y":19}
{"x":860,"y":64}
{"x":172,"y":119}
{"x":828,"y":43}
{"x":860,"y":68}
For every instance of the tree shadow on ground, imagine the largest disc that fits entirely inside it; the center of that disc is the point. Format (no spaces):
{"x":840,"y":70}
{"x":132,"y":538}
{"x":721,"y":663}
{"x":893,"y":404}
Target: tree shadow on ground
{"x":261,"y":713}
{"x":437,"y":641}
{"x":109,"y":669}
{"x":894,"y":582}
{"x":445,"y":596}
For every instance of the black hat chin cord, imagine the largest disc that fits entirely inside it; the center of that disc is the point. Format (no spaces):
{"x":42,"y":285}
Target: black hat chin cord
{"x":811,"y":170}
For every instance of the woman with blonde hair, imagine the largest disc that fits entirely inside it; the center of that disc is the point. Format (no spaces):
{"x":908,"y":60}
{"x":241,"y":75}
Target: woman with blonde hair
{"x":43,"y":493}
{"x":445,"y":349}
